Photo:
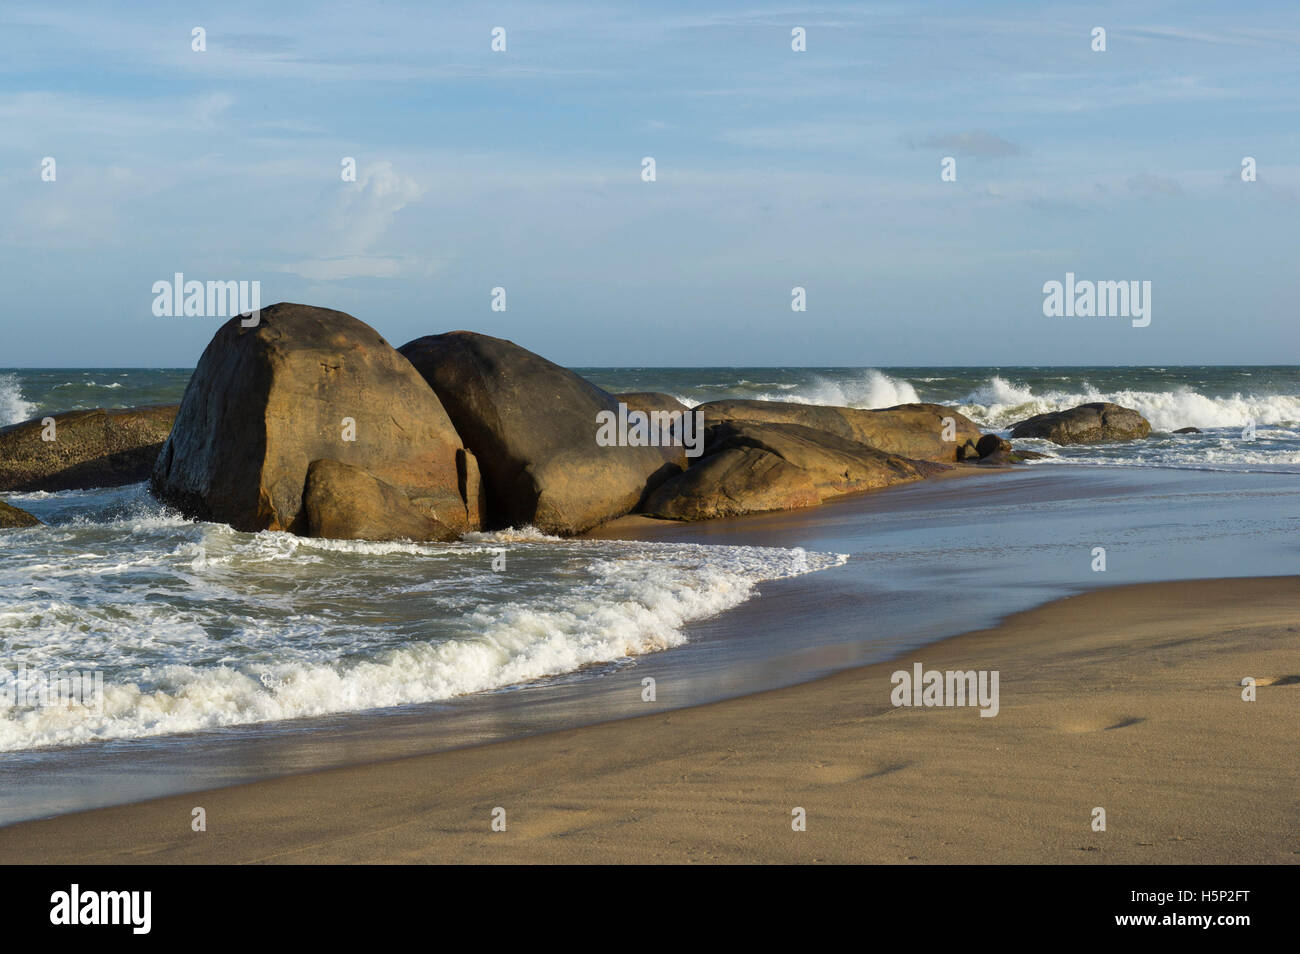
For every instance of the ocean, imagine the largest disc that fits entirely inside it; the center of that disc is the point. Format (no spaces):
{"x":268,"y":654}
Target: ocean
{"x":1219,"y":400}
{"x":200,"y":629}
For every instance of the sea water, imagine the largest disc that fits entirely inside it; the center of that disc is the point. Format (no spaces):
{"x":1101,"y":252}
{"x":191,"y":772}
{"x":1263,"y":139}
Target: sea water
{"x":197,"y":627}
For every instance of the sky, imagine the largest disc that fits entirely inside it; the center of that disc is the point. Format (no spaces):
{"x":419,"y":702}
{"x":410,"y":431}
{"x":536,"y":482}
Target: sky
{"x":774,"y":168}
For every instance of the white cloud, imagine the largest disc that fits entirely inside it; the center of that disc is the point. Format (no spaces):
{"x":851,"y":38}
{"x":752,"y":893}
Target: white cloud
{"x":336,"y":269}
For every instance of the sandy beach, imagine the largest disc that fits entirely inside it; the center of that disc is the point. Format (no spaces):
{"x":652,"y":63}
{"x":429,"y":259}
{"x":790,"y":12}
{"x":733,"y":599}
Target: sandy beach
{"x":1127,"y":698}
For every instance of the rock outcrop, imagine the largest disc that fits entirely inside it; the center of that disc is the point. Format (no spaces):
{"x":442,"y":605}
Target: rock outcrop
{"x":991,"y":444}
{"x":1096,"y":423}
{"x":752,"y":468}
{"x":104,"y":447}
{"x":909,"y":430}
{"x":305,"y":384}
{"x":12,"y":517}
{"x":532,"y":426}
{"x":732,"y":483}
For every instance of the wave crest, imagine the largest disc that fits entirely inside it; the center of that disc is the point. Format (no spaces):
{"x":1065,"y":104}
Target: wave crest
{"x":13,"y":408}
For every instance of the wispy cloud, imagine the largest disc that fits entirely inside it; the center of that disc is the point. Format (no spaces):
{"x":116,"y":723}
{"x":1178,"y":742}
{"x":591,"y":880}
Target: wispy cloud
{"x":975,"y":142}
{"x":1148,"y":184}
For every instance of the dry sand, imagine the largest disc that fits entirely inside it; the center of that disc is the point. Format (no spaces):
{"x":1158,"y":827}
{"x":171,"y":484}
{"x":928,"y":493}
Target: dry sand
{"x":1126,"y":699}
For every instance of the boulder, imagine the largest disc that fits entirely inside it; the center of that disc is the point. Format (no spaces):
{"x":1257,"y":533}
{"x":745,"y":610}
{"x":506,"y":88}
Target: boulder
{"x":104,"y":447}
{"x":1096,"y":423}
{"x":346,"y":503}
{"x":304,"y":384}
{"x":12,"y":517}
{"x":532,"y":426}
{"x":968,"y":451}
{"x":651,"y":401}
{"x":908,"y":430}
{"x":731,"y":483}
{"x":836,"y":465}
{"x":752,"y":468}
{"x":1188,"y":430}
{"x":659,"y":405}
{"x":991,"y":444}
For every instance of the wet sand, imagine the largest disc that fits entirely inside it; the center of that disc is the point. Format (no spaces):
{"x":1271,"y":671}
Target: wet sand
{"x":1126,"y":698}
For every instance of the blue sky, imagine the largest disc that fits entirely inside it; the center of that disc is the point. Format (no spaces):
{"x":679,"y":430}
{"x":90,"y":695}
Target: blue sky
{"x":774,"y":169}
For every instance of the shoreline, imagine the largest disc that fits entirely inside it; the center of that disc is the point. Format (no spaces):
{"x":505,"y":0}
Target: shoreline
{"x":1022,"y":540}
{"x":1143,"y":718}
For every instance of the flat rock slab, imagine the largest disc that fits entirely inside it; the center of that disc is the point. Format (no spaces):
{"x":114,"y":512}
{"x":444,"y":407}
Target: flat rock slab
{"x":918,"y":431}
{"x":104,"y":447}
{"x":754,"y":468}
{"x":732,"y":483}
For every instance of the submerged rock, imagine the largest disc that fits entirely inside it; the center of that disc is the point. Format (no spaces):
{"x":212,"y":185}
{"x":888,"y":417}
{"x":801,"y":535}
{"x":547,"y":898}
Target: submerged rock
{"x":1009,"y":457}
{"x":532,"y":426}
{"x":305,"y":384}
{"x":104,"y":447}
{"x":992,"y":444}
{"x":1096,"y":423}
{"x":1188,"y":430}
{"x":12,"y":517}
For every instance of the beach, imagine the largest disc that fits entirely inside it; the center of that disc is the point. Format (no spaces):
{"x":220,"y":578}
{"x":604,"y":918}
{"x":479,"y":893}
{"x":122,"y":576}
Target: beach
{"x":586,"y":434}
{"x":1127,"y":699}
{"x":659,"y":690}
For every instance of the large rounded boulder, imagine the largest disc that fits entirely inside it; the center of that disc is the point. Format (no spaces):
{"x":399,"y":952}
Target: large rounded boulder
{"x":305,"y":384}
{"x":533,"y":427}
{"x":1097,"y":423}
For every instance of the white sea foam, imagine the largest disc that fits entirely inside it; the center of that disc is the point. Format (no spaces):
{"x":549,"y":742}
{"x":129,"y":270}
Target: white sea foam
{"x":222,"y":628}
{"x":13,"y":408}
{"x":999,"y":403}
{"x":873,"y":389}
